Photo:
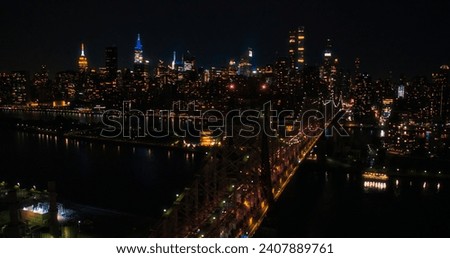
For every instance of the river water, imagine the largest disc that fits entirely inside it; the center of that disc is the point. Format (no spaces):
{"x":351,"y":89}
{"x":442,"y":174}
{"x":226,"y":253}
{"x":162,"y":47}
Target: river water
{"x":325,"y":199}
{"x":331,"y":199}
{"x":138,"y":180}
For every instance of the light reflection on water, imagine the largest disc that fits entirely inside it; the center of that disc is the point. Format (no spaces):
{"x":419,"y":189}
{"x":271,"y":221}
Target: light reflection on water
{"x":41,"y":115}
{"x":383,"y":186}
{"x":375,"y":186}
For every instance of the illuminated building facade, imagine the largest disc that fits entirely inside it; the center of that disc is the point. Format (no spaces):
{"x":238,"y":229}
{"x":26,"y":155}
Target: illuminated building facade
{"x":138,"y":51}
{"x":297,"y":48}
{"x":82,"y":60}
{"x":19,"y":83}
{"x":401,"y":91}
{"x":281,"y":73}
{"x":245,"y":65}
{"x":66,"y":85}
{"x":14,"y":87}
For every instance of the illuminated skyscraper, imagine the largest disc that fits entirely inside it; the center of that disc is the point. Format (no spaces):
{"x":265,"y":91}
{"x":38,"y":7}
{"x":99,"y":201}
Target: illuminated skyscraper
{"x":281,"y":72}
{"x":19,"y":85}
{"x":174,"y":60}
{"x":297,"y":48}
{"x":328,"y":54}
{"x":66,"y":85}
{"x":141,"y":73}
{"x":138,"y":52}
{"x":328,"y":71}
{"x":401,"y":91}
{"x":82,"y":60}
{"x":245,"y":65}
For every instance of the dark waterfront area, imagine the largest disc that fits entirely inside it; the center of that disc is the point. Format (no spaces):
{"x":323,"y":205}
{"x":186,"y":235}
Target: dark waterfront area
{"x":117,"y":190}
{"x":130,"y":179}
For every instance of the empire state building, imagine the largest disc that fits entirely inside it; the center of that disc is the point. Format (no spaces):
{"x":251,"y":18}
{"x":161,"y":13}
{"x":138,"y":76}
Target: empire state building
{"x":138,"y":57}
{"x":141,"y":73}
{"x":82,"y":60}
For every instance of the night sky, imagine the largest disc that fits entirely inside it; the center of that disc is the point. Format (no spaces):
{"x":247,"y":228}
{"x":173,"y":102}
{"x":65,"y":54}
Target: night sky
{"x":411,"y":37}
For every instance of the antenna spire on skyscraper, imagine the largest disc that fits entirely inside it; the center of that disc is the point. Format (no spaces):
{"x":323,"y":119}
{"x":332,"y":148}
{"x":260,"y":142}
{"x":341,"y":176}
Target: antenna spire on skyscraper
{"x":138,"y":42}
{"x":82,"y":49}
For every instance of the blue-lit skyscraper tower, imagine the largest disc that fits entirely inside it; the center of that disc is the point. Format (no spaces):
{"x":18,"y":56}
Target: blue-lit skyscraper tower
{"x":141,"y":70}
{"x":138,"y":57}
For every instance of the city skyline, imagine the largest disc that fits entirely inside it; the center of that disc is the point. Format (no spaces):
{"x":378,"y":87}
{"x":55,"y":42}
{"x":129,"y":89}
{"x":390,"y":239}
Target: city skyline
{"x":328,"y":47}
{"x":386,"y":37}
{"x":225,"y":119}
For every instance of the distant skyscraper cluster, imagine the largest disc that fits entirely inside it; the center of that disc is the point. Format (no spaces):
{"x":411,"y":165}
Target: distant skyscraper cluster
{"x":288,"y":79}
